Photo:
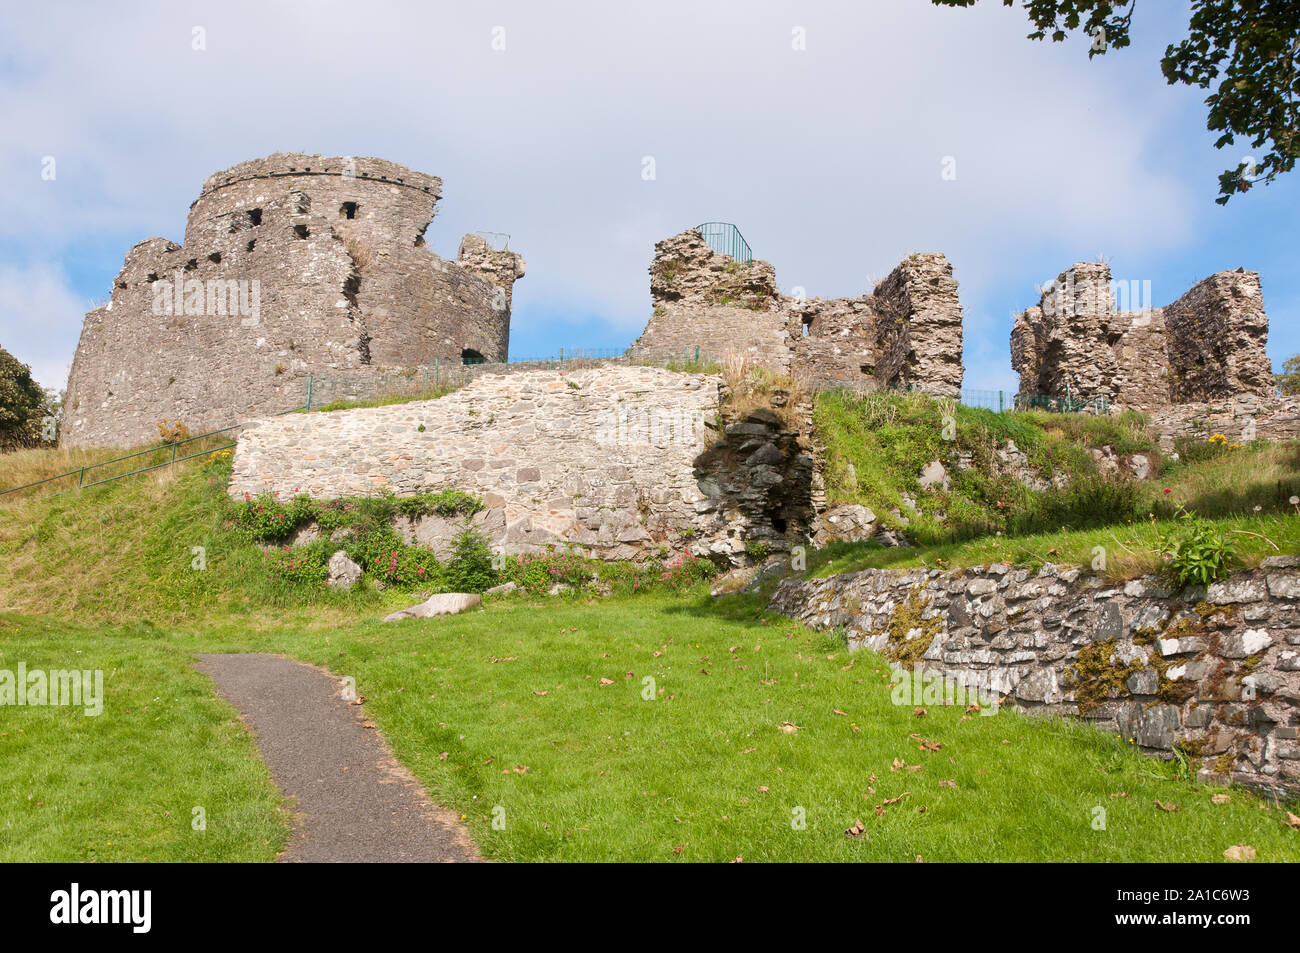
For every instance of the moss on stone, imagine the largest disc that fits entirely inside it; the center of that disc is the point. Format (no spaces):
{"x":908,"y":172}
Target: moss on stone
{"x":1094,"y":675}
{"x":906,"y":617}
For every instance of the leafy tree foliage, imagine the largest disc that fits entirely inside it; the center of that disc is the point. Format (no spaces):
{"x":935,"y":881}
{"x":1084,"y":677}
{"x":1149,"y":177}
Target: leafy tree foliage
{"x":1248,"y":47}
{"x":24,"y":406}
{"x":1289,"y":380}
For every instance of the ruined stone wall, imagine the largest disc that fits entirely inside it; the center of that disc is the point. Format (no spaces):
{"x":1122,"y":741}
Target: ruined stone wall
{"x":614,"y":460}
{"x":710,"y":301}
{"x":1217,"y":336}
{"x":1240,"y":419}
{"x":919,"y":332}
{"x":906,"y":334}
{"x":292,"y":265}
{"x":1216,"y":672}
{"x":1208,"y":345}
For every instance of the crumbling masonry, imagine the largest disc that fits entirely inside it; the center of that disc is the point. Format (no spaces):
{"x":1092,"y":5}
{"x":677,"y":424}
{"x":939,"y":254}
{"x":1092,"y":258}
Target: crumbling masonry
{"x":1206,"y":346}
{"x":292,"y":265}
{"x":906,"y":334}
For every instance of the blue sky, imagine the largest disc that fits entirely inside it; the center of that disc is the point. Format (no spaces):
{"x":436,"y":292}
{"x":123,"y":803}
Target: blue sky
{"x":828,"y":158}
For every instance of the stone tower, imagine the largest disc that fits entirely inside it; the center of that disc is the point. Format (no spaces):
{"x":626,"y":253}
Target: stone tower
{"x":292,"y":265}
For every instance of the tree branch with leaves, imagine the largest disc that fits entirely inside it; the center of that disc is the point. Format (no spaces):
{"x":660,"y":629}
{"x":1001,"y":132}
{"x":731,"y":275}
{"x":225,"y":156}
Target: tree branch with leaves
{"x":1248,"y":47}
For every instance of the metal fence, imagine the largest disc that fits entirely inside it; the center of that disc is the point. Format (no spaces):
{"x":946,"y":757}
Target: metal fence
{"x":1001,"y":400}
{"x":725,"y":239}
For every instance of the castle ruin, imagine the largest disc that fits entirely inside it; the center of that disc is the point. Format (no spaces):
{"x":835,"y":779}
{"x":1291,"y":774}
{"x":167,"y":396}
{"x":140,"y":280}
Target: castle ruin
{"x":292,"y":265}
{"x":1209,"y":345}
{"x":906,"y":334}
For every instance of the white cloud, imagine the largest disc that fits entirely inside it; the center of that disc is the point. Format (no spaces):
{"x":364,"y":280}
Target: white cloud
{"x":827,"y":158}
{"x":39,"y":314}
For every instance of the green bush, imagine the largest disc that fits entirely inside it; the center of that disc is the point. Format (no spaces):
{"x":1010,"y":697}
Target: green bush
{"x":1086,"y":503}
{"x":298,"y":565}
{"x":410,"y":567}
{"x":266,"y":519}
{"x":536,"y":573}
{"x":28,"y":413}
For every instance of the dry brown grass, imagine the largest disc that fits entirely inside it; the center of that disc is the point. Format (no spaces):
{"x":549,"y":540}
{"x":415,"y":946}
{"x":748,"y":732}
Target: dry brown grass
{"x":20,"y":467}
{"x":751,"y":386}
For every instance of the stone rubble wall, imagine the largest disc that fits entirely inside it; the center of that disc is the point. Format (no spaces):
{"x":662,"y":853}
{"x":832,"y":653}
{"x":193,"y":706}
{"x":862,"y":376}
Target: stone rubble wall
{"x":617,"y":461}
{"x":906,"y":334}
{"x":711,"y":301}
{"x":1215,"y":672}
{"x":335,"y":248}
{"x":1240,"y":419}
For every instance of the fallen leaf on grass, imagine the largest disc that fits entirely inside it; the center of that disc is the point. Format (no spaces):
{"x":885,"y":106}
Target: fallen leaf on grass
{"x":1292,"y":820}
{"x":1166,"y":807}
{"x":1119,"y":794}
{"x":606,"y":681}
{"x":947,"y":783}
{"x":918,"y":711}
{"x":788,"y":728}
{"x":857,"y":830}
{"x":836,"y":711}
{"x":1239,"y":853}
{"x":1220,"y":799}
{"x":762,"y":789}
{"x":542,"y":692}
{"x":443,"y":755}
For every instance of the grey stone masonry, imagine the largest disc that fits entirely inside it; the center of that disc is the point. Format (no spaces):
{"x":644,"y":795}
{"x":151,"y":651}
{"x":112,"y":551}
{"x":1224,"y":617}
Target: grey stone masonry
{"x":292,"y":265}
{"x":616,"y":461}
{"x":1215,"y":672}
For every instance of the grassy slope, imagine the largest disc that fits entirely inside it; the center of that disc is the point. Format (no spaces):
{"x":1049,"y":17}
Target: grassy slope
{"x":610,"y":775}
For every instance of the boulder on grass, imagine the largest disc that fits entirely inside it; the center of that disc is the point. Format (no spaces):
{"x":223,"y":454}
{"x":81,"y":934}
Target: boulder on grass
{"x":343,"y":572}
{"x":442,"y":603}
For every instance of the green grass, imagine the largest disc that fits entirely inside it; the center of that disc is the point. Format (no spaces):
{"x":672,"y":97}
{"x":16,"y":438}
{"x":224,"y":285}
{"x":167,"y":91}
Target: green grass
{"x":122,"y":785}
{"x":517,"y":685}
{"x":609,"y":774}
{"x":1130,"y":550}
{"x":386,"y":400}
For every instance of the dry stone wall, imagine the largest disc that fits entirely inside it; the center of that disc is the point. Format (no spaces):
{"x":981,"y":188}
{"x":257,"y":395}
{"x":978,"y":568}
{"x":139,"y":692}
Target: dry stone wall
{"x":906,"y":334}
{"x":1215,"y":672}
{"x":616,"y":461}
{"x":292,"y":265}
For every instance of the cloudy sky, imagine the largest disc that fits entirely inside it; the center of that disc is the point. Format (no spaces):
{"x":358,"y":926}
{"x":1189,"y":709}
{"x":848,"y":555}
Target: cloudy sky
{"x":828,"y":158}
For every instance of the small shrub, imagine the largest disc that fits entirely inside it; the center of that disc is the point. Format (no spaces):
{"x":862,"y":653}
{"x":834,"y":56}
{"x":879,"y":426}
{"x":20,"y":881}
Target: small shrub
{"x":1197,"y":551}
{"x":1085,"y":503}
{"x":174,"y":432}
{"x":268,"y":520}
{"x":470,"y":567}
{"x":409,"y":567}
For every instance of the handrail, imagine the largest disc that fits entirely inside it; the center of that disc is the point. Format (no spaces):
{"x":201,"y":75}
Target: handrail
{"x":725,"y":239}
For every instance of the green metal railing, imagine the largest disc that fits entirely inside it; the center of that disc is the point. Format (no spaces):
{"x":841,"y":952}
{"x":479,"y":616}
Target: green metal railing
{"x":168,"y":452}
{"x":725,"y":239}
{"x":1063,"y":405}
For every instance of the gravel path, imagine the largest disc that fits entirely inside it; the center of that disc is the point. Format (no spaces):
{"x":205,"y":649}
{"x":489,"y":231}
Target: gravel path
{"x":353,"y":801}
